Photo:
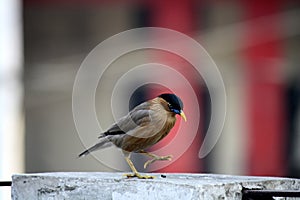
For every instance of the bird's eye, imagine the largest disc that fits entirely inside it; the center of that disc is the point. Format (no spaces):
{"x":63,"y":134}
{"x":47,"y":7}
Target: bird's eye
{"x":175,"y":111}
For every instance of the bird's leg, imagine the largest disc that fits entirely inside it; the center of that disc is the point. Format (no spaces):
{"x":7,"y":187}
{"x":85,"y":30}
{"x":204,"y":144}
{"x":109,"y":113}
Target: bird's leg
{"x":154,"y":158}
{"x":135,"y":172}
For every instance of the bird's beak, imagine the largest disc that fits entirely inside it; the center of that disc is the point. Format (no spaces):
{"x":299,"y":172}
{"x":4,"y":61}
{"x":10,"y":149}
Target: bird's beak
{"x":183,"y":115}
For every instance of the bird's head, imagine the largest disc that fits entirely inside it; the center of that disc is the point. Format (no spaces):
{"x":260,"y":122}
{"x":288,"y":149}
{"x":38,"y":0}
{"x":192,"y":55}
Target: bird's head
{"x":175,"y":104}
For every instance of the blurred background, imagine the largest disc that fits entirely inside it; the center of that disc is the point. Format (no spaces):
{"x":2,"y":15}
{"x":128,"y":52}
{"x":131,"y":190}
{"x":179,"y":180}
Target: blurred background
{"x":254,"y":43}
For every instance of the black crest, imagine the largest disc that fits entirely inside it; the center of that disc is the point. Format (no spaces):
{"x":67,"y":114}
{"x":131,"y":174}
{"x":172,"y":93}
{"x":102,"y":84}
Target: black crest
{"x":173,"y":100}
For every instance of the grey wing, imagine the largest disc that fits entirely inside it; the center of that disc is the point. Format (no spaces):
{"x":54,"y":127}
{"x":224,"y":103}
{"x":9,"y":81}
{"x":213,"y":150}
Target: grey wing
{"x":139,"y":116}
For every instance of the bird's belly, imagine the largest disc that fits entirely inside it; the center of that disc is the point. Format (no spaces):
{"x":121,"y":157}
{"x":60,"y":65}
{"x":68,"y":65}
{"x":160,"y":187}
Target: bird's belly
{"x":134,"y":144}
{"x":144,"y":140}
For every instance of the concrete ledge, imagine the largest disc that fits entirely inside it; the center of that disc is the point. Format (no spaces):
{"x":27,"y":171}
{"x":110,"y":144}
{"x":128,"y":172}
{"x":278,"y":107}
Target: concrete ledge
{"x":114,"y":186}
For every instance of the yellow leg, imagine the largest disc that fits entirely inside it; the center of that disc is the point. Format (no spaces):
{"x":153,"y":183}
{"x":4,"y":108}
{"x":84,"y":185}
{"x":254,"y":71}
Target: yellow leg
{"x":154,"y":158}
{"x":135,"y":172}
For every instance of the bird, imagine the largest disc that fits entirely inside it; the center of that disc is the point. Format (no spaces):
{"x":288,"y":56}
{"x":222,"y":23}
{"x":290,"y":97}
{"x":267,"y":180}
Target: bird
{"x":145,"y":125}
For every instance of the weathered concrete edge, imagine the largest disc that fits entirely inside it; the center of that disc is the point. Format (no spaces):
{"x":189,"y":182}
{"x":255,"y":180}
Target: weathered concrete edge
{"x":115,"y":186}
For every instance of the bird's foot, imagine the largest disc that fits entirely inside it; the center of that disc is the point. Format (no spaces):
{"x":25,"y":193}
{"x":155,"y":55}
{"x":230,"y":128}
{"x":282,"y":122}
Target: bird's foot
{"x":137,"y":175}
{"x":156,"y":158}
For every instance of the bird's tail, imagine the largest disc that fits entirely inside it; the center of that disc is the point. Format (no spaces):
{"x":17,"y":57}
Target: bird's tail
{"x":103,"y":143}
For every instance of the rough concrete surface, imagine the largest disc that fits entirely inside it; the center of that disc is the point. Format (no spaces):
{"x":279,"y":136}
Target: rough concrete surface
{"x":89,"y":186}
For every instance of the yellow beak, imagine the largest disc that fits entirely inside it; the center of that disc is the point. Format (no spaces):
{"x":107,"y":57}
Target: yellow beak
{"x":183,"y":115}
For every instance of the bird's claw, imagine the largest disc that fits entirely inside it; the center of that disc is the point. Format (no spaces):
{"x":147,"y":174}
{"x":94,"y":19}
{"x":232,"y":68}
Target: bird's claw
{"x":169,"y":158}
{"x":137,"y":175}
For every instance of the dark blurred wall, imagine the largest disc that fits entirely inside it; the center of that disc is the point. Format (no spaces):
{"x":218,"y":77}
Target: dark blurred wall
{"x":57,"y":39}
